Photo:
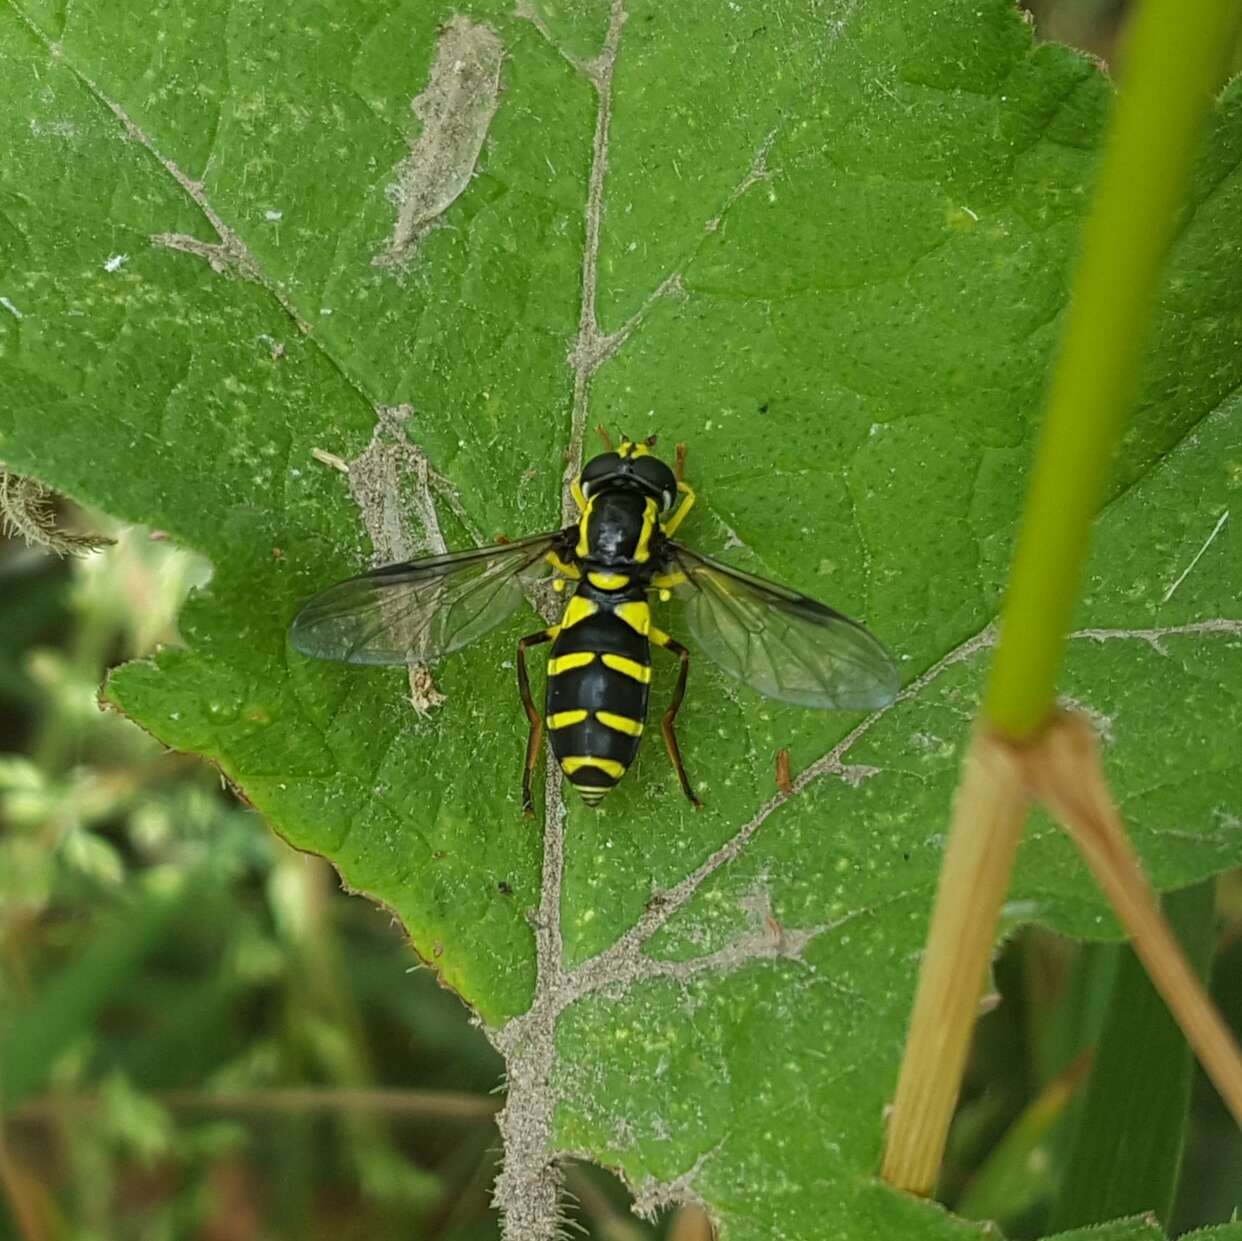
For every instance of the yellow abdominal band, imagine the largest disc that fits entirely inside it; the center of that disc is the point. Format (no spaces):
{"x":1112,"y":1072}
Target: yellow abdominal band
{"x":609,"y":766}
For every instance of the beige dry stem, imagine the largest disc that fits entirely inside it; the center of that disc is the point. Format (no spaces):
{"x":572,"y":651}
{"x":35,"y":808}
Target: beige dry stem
{"x":1064,"y":772}
{"x":1061,"y":769}
{"x":988,"y":815}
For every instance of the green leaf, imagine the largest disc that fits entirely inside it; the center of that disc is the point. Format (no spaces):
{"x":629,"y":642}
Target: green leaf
{"x":1145,"y":1228}
{"x":824,"y":245}
{"x":1140,"y":1228}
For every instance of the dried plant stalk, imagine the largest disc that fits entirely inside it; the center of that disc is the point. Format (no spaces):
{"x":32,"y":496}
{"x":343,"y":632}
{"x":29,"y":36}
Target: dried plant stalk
{"x":989,"y":812}
{"x":1064,"y":772}
{"x":1061,"y":769}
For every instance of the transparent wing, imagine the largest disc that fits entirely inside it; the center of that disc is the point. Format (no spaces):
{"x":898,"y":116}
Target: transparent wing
{"x":421,"y":609}
{"x":779,"y":642}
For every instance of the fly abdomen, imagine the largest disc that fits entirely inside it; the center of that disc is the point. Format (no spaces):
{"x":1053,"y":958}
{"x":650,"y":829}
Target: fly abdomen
{"x":599,"y":676}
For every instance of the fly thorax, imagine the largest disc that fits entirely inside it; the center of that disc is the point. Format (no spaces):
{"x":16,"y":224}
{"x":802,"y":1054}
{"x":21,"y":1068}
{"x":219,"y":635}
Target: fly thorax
{"x":619,"y":525}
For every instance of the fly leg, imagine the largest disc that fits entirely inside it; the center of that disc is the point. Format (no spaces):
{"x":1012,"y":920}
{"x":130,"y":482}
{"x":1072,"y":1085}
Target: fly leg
{"x":669,"y":526}
{"x":536,"y":720}
{"x":666,"y":723}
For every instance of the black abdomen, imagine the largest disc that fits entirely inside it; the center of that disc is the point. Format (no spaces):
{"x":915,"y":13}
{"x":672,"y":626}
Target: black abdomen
{"x":599,"y":676}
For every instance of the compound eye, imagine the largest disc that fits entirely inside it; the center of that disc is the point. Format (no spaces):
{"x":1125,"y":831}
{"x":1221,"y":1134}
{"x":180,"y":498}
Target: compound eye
{"x":598,"y":469}
{"x":658,"y":477}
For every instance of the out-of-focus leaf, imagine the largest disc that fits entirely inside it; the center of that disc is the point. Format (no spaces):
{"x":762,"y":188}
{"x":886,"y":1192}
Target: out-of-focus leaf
{"x":34,"y":1033}
{"x":1126,"y":1152}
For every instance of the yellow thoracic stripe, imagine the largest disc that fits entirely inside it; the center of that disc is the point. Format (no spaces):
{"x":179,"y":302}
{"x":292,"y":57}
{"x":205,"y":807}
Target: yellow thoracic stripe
{"x":566,"y":719}
{"x":566,"y":663}
{"x":643,"y":551}
{"x":584,"y":547}
{"x":636,"y":614}
{"x":620,"y":723}
{"x":630,"y":667}
{"x":608,"y":581}
{"x":609,"y":766}
{"x":578,"y":610}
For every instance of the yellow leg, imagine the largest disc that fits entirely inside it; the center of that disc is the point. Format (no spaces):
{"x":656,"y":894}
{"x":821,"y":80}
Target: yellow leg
{"x":569,"y":570}
{"x":575,"y":490}
{"x":687,"y":503}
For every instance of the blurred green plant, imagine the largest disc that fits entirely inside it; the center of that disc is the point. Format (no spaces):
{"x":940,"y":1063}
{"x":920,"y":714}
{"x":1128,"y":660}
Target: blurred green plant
{"x":183,"y":1047}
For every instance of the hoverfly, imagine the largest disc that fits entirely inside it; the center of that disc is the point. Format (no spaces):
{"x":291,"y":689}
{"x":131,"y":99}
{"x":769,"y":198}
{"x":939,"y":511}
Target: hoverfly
{"x":618,"y":553}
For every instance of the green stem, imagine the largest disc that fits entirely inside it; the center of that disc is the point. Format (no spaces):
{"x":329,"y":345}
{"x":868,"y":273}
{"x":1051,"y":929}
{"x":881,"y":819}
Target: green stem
{"x":1175,"y":56}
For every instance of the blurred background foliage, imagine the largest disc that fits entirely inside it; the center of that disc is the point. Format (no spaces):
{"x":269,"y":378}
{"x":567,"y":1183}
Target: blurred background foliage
{"x":202,"y":1036}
